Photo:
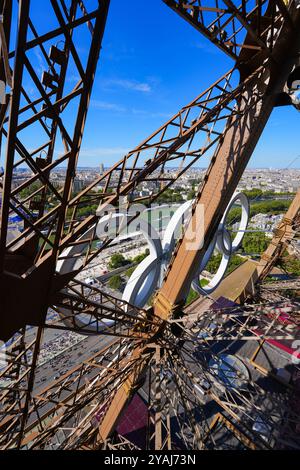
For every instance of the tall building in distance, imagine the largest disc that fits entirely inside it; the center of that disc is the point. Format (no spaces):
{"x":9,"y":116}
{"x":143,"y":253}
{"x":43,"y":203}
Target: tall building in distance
{"x":101,"y":169}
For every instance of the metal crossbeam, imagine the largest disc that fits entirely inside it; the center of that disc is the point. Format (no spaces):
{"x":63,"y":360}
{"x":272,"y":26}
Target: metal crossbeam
{"x":43,"y":229}
{"x":237,"y":29}
{"x":159,"y":353}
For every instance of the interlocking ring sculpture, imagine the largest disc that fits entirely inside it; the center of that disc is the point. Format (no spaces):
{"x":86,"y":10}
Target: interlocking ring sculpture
{"x":224,"y":244}
{"x":143,"y":281}
{"x":148,"y":275}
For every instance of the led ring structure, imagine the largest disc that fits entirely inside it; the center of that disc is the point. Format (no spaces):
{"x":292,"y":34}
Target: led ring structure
{"x":223,"y":243}
{"x":147,"y":277}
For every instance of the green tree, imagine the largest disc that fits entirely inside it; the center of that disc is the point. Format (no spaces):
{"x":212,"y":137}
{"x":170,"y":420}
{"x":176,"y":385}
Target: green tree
{"x":117,"y":261}
{"x":32,"y":188}
{"x":234,"y":262}
{"x":139,"y":258}
{"x":272,"y":207}
{"x":115,"y":282}
{"x":234,"y":215}
{"x":254,"y":193}
{"x":194,"y":295}
{"x":130,"y":271}
{"x":86,"y":211}
{"x":191,"y":194}
{"x":170,"y":196}
{"x":255,"y":243}
{"x":291,"y":265}
{"x":215,"y":261}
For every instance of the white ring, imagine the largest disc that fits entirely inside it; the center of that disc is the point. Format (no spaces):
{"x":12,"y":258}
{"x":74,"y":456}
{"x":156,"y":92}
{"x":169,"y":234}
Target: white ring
{"x":218,"y":277}
{"x":223,"y":243}
{"x":148,"y":276}
{"x":65,"y":266}
{"x":144,"y":280}
{"x":236,"y":243}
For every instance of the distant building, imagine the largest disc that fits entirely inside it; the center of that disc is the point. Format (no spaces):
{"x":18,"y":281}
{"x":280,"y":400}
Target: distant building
{"x":79,"y":185}
{"x":102,"y":170}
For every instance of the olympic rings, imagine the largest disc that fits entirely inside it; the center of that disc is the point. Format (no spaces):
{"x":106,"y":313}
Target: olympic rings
{"x":148,"y":276}
{"x":236,"y":243}
{"x":223,"y":243}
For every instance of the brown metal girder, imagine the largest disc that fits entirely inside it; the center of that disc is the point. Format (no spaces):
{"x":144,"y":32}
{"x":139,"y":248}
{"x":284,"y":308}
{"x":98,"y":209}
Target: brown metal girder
{"x":32,"y":165}
{"x":57,"y":32}
{"x":122,"y":397}
{"x":76,"y":141}
{"x":249,"y":28}
{"x":56,"y":388}
{"x":82,"y":115}
{"x":31,"y":71}
{"x":15,"y":312}
{"x":83,"y":400}
{"x":252,"y":35}
{"x":84,"y":11}
{"x":231,"y":161}
{"x":40,"y":114}
{"x":68,"y":239}
{"x":229,"y":400}
{"x":31,"y":378}
{"x":6,"y":11}
{"x":32,"y":105}
{"x":152,"y":166}
{"x":47,"y":168}
{"x":52,"y":144}
{"x":42,"y":48}
{"x":172,"y":4}
{"x":59,"y":96}
{"x":5,"y":35}
{"x":249,"y":58}
{"x":13,"y":122}
{"x":215,"y":195}
{"x":133,"y":323}
{"x":77,"y":368}
{"x":116,"y":166}
{"x":67,"y":35}
{"x":59,"y":282}
{"x":240,"y":435}
{"x":223,"y":176}
{"x":285,"y":12}
{"x":282,"y":235}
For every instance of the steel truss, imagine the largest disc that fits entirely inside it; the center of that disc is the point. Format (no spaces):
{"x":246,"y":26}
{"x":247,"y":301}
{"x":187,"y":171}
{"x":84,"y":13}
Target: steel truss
{"x":54,"y":95}
{"x":292,"y":284}
{"x":228,"y":25}
{"x":67,"y":413}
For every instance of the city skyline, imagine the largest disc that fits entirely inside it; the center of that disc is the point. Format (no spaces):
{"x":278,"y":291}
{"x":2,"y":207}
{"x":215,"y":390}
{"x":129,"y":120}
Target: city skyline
{"x":139,"y":86}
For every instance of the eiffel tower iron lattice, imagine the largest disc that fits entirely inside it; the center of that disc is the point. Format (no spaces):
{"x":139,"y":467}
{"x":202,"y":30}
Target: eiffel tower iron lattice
{"x":174,"y":363}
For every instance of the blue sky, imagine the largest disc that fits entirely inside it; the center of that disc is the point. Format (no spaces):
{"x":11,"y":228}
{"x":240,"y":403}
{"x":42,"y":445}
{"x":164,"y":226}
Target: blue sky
{"x":152,"y":63}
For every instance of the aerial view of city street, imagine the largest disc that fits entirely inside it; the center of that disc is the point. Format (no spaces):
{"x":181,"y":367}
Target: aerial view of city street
{"x":149,"y":227}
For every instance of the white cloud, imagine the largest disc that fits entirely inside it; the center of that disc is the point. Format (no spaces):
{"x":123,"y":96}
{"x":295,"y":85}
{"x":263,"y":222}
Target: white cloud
{"x":145,"y":113}
{"x":96,"y":104}
{"x":41,"y":66}
{"x":74,"y":78}
{"x":106,"y":106}
{"x":100,"y":152}
{"x":207,"y":47}
{"x":128,"y":85}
